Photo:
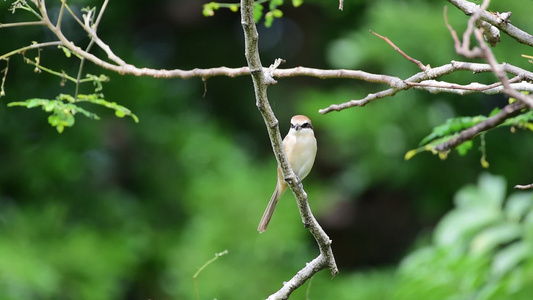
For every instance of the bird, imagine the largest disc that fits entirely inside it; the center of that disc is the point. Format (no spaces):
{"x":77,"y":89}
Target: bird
{"x":300,"y":147}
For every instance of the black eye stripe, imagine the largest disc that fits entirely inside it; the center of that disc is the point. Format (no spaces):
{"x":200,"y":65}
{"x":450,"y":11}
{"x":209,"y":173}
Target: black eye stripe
{"x":304,"y":125}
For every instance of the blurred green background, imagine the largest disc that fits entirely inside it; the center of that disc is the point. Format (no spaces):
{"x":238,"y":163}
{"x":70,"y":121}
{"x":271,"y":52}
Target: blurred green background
{"x":111,"y":209}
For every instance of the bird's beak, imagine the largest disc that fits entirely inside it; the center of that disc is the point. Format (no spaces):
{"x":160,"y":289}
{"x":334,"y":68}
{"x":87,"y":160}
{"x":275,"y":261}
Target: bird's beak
{"x":297,"y":127}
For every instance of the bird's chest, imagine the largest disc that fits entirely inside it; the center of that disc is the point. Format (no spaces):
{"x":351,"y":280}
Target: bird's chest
{"x":301,"y":152}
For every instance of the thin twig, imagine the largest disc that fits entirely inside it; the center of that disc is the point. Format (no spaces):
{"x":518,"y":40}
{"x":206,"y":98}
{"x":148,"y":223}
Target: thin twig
{"x":62,"y":75}
{"x":464,"y":47}
{"x":32,"y":23}
{"x":92,"y":33}
{"x":473,"y":86}
{"x":32,"y":46}
{"x":100,"y":14}
{"x":409,"y":58}
{"x":2,"y":90}
{"x":524,"y":187}
{"x":217,"y":255}
{"x":61,"y":11}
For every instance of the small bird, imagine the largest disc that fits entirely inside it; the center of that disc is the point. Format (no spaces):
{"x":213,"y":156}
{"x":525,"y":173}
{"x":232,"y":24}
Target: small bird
{"x":300,"y":147}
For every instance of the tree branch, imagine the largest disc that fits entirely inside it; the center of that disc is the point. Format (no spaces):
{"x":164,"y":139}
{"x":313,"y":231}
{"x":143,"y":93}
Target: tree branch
{"x":483,"y":51}
{"x":261,"y":80}
{"x":434,"y":87}
{"x":499,"y":20}
{"x":507,"y":112}
{"x":462,"y":48}
{"x":395,"y":83}
{"x":524,"y":187}
{"x":431,"y":73}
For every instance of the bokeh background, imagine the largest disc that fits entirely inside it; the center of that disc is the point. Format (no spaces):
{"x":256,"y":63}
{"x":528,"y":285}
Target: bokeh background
{"x":112,"y":209}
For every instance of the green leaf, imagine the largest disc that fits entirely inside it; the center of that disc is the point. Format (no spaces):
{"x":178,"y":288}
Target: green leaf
{"x":518,"y":205}
{"x":524,"y":121}
{"x":495,"y":236}
{"x":489,"y":192}
{"x":50,"y":106}
{"x":494,"y":111}
{"x":452,"y":126}
{"x":297,"y":3}
{"x":464,"y":147}
{"x":276,"y":13}
{"x":460,"y":225}
{"x":209,"y":9}
{"x":97,"y":81}
{"x":494,"y":188}
{"x":86,"y":113}
{"x":120,"y":111}
{"x":269,"y":17}
{"x":66,"y":97}
{"x":510,"y":256}
{"x":66,"y":51}
{"x":275,"y":3}
{"x":258,"y":12}
{"x":64,"y":108}
{"x":29,"y":103}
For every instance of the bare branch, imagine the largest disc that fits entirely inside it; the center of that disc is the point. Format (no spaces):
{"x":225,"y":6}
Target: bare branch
{"x":338,"y":73}
{"x":295,"y":282}
{"x":61,"y":12}
{"x":434,"y":87}
{"x":524,"y":187}
{"x":31,"y":23}
{"x":32,"y":46}
{"x":463,"y":48}
{"x":507,"y":112}
{"x":100,"y":14}
{"x":499,"y":20}
{"x":483,"y":51}
{"x":261,"y":79}
{"x":499,"y":71}
{"x":409,"y":58}
{"x":431,"y":73}
{"x":92,"y":33}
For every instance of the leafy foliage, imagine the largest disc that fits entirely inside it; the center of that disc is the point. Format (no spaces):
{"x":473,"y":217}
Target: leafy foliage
{"x":453,"y":126}
{"x":273,"y":13}
{"x":482,"y":249}
{"x":65,"y":107}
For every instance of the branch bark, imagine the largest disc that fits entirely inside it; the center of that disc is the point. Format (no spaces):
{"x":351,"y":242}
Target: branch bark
{"x":261,"y":80}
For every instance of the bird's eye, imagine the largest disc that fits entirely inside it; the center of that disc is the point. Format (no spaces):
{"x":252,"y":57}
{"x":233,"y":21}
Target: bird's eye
{"x":306,"y":125}
{"x":292,"y":125}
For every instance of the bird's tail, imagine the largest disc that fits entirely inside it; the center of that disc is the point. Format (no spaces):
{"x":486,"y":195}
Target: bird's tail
{"x":269,"y":211}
